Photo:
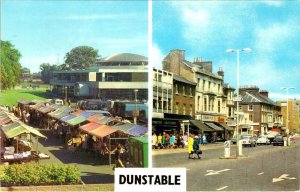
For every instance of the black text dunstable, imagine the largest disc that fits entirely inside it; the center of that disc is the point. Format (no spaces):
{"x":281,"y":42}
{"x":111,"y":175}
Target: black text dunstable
{"x":149,"y":179}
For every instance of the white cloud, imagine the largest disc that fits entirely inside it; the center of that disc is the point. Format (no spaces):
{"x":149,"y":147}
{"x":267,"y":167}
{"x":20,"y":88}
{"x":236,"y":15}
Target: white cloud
{"x":156,"y":56}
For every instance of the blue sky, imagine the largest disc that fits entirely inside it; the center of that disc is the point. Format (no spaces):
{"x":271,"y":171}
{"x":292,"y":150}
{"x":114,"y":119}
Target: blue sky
{"x":206,"y":29}
{"x":44,"y":31}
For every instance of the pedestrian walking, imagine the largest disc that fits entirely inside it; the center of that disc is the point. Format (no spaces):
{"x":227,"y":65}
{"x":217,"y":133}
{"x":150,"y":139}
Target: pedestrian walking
{"x":154,"y":140}
{"x":190,"y":146}
{"x":196,"y":148}
{"x":204,"y":140}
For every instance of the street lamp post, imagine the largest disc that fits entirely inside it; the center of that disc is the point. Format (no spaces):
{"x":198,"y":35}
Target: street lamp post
{"x":287,"y":131}
{"x":238,"y":151}
{"x":136,"y":113}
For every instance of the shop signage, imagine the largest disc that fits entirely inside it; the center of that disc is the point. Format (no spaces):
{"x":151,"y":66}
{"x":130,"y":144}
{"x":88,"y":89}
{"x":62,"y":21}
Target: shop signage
{"x":207,"y":118}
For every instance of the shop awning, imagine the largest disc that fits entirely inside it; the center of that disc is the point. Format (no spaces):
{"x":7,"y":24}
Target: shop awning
{"x":201,"y":125}
{"x":15,"y":129}
{"x":214,"y":126}
{"x":76,"y":121}
{"x":103,"y":131}
{"x":37,"y":105}
{"x":89,"y":127}
{"x":225,"y":126}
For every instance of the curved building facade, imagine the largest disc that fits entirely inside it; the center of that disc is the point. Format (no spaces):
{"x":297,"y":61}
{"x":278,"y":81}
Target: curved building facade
{"x":117,"y":77}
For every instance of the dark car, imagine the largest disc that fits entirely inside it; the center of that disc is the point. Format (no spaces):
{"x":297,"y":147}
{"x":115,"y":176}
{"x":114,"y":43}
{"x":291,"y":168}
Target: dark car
{"x":278,"y":140}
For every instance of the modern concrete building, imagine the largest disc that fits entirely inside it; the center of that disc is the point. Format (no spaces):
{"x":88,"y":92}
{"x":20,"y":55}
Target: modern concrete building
{"x":118,"y":77}
{"x":264,"y":114}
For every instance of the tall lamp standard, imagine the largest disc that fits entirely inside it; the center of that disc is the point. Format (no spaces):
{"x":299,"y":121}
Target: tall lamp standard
{"x":287,"y":131}
{"x":135,"y":114}
{"x":238,"y":151}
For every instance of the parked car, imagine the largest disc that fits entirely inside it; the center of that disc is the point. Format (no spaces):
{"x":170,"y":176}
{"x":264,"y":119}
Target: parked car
{"x":263,"y":140}
{"x":278,"y":140}
{"x":248,"y":140}
{"x":271,"y":135}
{"x":233,"y":139}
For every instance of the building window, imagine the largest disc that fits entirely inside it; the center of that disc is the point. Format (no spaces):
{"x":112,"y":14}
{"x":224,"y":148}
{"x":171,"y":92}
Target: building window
{"x":205,"y":104}
{"x":203,"y":84}
{"x":154,"y":103}
{"x":191,"y":110}
{"x":191,"y":92}
{"x":183,"y":90}
{"x":176,"y":88}
{"x":229,"y":112}
{"x":241,"y":107}
{"x":176,"y":108}
{"x":250,"y":107}
{"x":219,"y":106}
{"x":219,"y":92}
{"x":183,"y":109}
{"x":209,"y":86}
{"x":250,"y":117}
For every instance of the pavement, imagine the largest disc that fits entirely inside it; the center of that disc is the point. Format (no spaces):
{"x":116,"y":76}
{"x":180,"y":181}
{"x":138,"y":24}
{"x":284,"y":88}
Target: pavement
{"x":209,"y":146}
{"x":93,"y":169}
{"x":262,"y":168}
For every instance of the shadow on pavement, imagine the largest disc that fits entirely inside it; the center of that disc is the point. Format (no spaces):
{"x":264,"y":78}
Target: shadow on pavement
{"x":92,"y":178}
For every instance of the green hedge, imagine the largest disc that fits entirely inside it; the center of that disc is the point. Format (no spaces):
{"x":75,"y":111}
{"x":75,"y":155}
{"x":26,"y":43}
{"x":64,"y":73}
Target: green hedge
{"x":40,"y":174}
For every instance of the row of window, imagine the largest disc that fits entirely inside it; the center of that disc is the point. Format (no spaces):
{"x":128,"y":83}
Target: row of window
{"x":183,"y":90}
{"x":184,"y":111}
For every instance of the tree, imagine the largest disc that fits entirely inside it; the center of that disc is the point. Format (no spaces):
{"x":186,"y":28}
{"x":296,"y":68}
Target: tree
{"x":47,"y":71}
{"x":10,"y":65}
{"x":81,"y":57}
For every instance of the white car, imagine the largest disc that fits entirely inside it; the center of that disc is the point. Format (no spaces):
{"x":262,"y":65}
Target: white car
{"x":263,"y":140}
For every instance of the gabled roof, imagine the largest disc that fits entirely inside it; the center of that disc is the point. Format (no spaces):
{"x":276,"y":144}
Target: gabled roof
{"x":251,"y":98}
{"x":182,"y":79}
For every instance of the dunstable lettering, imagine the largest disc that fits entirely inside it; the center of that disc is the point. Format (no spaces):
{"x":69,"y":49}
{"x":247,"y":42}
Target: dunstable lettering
{"x":149,"y":179}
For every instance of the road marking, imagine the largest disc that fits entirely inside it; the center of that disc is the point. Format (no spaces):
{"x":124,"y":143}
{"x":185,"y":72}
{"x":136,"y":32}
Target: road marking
{"x":282,"y":177}
{"x":261,"y":173}
{"x":222,"y":188}
{"x":212,"y":172}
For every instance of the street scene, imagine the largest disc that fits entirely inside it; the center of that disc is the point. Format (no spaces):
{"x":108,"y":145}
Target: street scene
{"x":225,"y":100}
{"x":74,"y":95}
{"x":263,"y":168}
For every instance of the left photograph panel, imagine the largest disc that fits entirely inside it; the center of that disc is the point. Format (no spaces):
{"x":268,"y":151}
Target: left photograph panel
{"x":74,"y":93}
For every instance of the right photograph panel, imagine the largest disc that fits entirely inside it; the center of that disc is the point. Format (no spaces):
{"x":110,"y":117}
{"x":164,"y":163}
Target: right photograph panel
{"x":226,"y":93}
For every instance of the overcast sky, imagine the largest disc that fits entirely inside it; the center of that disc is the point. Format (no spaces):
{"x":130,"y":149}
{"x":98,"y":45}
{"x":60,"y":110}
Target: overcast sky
{"x":44,"y":31}
{"x":206,"y":29}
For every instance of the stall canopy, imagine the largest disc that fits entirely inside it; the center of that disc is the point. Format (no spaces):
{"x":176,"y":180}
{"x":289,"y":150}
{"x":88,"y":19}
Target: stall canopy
{"x":201,"y":125}
{"x":95,"y":118}
{"x":49,"y":108}
{"x":105,"y":120}
{"x":77,"y":112}
{"x":138,"y":130}
{"x":132,"y":129}
{"x":86,"y":114}
{"x":16,"y":128}
{"x":61,"y":112}
{"x":38,"y":105}
{"x":89,"y":127}
{"x":76,"y":121}
{"x":67,"y":118}
{"x":97,"y":129}
{"x":103,"y":131}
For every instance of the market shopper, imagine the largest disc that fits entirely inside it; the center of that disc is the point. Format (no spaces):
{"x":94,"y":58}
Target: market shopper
{"x":118,"y":160}
{"x":159,"y":141}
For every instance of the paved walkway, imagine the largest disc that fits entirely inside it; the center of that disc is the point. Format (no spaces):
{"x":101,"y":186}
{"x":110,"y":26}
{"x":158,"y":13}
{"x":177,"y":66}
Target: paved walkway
{"x":209,"y":146}
{"x":94,"y":170}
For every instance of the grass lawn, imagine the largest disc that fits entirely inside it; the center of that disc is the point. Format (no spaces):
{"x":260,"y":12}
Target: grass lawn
{"x":10,"y":97}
